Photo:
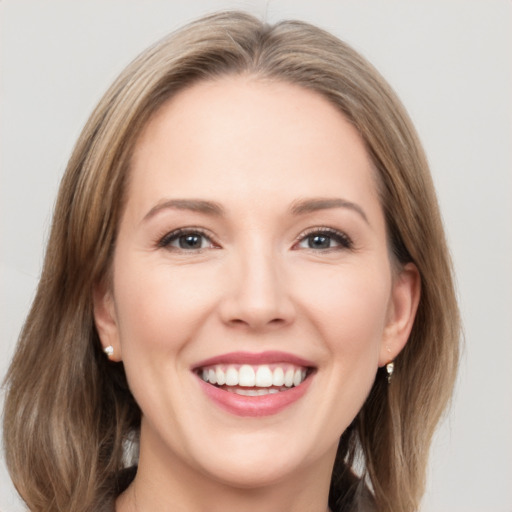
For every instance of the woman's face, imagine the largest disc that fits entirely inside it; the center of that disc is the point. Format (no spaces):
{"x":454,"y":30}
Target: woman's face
{"x":251,"y":260}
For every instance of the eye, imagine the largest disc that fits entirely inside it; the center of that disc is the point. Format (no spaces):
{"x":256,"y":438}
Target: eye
{"x":324,"y":239}
{"x":186,"y":240}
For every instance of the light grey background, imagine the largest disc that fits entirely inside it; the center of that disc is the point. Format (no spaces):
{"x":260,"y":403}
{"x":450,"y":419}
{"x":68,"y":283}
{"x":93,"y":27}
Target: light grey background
{"x":450,"y":62}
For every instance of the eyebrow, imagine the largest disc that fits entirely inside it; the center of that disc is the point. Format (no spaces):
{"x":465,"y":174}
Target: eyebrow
{"x":300,"y":207}
{"x":195,"y":205}
{"x":305,"y":206}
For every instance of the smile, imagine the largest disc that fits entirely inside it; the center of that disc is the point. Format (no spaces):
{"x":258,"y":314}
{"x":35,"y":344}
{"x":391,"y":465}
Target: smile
{"x":248,"y":384}
{"x":254,"y":380}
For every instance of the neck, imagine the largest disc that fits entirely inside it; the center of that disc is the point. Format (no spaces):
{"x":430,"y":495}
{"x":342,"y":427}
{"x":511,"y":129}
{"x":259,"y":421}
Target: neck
{"x":167,"y":483}
{"x":135,"y":499}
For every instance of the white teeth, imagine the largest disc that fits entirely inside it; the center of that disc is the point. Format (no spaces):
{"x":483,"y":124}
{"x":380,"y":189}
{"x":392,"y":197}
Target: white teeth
{"x":264,"y":377}
{"x":254,"y":392}
{"x":221,"y":376}
{"x":231,"y":377}
{"x":288,"y":378}
{"x":246,"y":376}
{"x":260,"y":376}
{"x":278,"y":377}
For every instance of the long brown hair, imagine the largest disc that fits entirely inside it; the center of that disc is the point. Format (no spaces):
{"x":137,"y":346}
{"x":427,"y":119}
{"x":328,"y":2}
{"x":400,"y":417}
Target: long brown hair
{"x":69,"y":412}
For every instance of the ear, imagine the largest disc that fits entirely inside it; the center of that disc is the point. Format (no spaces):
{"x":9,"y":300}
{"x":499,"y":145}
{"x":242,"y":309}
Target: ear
{"x":105,"y":319}
{"x":405,"y":297}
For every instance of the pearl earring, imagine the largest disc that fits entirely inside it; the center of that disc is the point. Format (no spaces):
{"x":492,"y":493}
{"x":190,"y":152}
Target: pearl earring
{"x":109,"y":351}
{"x":390,"y":368}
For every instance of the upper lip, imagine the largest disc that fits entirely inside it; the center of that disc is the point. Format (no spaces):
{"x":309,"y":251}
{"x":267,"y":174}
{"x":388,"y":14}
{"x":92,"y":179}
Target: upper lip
{"x":255,"y":358}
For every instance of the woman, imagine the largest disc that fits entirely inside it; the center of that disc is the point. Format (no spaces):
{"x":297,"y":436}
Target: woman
{"x":246,"y":286}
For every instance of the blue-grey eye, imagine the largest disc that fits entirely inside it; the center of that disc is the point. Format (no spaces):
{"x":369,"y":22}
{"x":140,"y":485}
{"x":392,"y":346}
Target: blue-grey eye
{"x":191,"y":241}
{"x":186,"y":240}
{"x":321,"y":240}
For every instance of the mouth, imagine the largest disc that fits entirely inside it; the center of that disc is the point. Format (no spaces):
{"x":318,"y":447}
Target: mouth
{"x":249,"y":384}
{"x":254,"y":380}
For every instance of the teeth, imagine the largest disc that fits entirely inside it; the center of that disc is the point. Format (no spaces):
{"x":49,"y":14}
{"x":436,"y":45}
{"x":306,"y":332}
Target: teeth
{"x":246,"y":376}
{"x":263,"y":377}
{"x":278,"y":377}
{"x":288,"y":377}
{"x":254,"y":392}
{"x":231,"y":377}
{"x":259,"y":376}
{"x":221,"y":376}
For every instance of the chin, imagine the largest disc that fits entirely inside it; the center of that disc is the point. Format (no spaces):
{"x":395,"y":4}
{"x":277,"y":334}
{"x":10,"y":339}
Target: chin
{"x":252,"y":473}
{"x":262,"y":458}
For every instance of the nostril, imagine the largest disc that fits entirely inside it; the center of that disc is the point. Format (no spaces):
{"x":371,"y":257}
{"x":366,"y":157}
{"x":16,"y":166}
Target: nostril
{"x":257,"y":322}
{"x":238,"y":321}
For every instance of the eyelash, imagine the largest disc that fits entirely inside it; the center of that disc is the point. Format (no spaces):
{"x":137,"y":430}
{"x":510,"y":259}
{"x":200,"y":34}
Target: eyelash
{"x":343,"y":241}
{"x":339,"y":237}
{"x":166,"y":240}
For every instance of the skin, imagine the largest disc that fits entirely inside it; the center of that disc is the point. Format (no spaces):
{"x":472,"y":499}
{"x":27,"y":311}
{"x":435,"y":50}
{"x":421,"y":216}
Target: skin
{"x":255,"y":148}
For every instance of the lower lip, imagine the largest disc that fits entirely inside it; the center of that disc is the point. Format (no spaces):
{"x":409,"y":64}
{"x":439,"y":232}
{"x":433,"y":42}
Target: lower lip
{"x":264,"y":405}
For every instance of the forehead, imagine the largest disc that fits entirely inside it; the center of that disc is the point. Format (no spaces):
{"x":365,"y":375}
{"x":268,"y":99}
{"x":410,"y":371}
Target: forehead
{"x":242,"y":137}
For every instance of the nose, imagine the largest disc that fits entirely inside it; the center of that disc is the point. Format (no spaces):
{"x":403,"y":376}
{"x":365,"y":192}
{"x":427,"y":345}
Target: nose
{"x":257,"y":295}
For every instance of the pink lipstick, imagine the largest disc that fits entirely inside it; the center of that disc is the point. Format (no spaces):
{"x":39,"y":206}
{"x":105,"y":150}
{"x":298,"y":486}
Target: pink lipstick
{"x":254,"y":384}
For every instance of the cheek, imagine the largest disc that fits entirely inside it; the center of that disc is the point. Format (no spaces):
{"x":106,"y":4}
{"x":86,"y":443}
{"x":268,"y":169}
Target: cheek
{"x":159,"y":311}
{"x":158,"y":307}
{"x":349,"y":306}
